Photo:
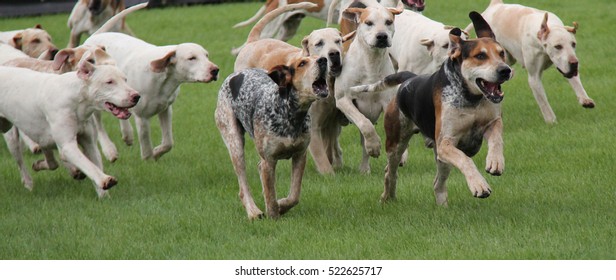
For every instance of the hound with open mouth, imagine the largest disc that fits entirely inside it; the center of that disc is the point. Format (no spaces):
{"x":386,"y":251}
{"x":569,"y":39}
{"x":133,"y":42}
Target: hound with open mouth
{"x":457,"y":107}
{"x":273,"y":108}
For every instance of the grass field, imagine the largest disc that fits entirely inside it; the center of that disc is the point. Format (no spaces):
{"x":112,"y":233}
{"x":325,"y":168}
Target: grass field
{"x":556,"y":199}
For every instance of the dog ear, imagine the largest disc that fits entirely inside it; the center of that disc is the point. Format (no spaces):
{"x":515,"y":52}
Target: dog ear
{"x":17,"y":40}
{"x":349,"y":36}
{"x":544,"y":30}
{"x":482,"y":28}
{"x":353,"y":14}
{"x":572,"y":29}
{"x":455,"y":43}
{"x":85,"y":68}
{"x":398,"y":10}
{"x":38,"y":26}
{"x":428,"y":43}
{"x":305,"y":50}
{"x":282,"y":75}
{"x":62,"y":58}
{"x":159,"y":65}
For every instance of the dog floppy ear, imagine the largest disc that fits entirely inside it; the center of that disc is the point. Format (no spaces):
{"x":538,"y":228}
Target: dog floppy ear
{"x":353,"y":14}
{"x":349,"y":36}
{"x":398,"y":9}
{"x":282,"y":75}
{"x":544,"y":30}
{"x":62,"y":58}
{"x":17,"y":40}
{"x":482,"y":28}
{"x":85,"y":68}
{"x":428,"y":43}
{"x":38,"y":26}
{"x":572,"y":29}
{"x":159,"y":65}
{"x":455,"y":43}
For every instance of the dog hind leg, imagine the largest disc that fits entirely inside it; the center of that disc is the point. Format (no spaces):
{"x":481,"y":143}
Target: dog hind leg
{"x":167,"y":133}
{"x":12,"y":141}
{"x":297,"y":172}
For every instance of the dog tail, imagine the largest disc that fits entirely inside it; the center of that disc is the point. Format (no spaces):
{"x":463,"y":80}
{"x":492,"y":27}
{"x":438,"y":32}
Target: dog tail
{"x":493,"y":2}
{"x":255,"y":33}
{"x":251,"y":20}
{"x":330,"y":12}
{"x":389,"y":81}
{"x":118,"y":17}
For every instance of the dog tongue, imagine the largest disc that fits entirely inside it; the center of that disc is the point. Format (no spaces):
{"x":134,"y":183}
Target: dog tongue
{"x":118,"y":112}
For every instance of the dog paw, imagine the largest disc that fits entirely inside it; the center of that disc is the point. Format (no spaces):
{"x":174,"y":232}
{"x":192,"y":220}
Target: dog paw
{"x":159,"y":151}
{"x":36,"y":149}
{"x":478,"y":186}
{"x":109,"y":183}
{"x":587,"y":103}
{"x":373,"y":148}
{"x":364,"y":168}
{"x":128,"y":141}
{"x":28,"y":183}
{"x":495,"y":166}
{"x":387,"y":197}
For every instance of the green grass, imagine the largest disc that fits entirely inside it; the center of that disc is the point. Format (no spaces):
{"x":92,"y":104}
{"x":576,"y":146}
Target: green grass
{"x":554,"y":201}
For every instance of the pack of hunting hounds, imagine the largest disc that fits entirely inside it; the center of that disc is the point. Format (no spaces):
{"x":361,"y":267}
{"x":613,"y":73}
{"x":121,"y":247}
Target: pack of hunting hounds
{"x":386,"y":58}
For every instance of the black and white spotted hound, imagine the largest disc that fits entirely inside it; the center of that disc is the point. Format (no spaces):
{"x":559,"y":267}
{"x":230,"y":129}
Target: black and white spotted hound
{"x":273,"y":108}
{"x":457,"y":107}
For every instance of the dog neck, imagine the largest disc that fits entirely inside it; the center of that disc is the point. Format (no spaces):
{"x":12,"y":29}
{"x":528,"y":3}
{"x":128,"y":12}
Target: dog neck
{"x":455,"y":91}
{"x":294,"y":119}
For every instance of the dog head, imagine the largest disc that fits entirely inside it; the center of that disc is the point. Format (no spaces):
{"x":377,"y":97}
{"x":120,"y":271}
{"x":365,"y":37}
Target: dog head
{"x":35,"y":42}
{"x":107,"y":86}
{"x":559,"y":43}
{"x":327,"y":43}
{"x":188,"y":62}
{"x":306,"y":76}
{"x":375,"y":24}
{"x":415,"y":5}
{"x":437,"y":45}
{"x":67,"y":59}
{"x":481,"y":61}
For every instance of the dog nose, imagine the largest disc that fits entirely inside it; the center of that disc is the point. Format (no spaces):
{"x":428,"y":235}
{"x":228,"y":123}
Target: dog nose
{"x":214,"y":73}
{"x":53,"y":52}
{"x":504,"y":72}
{"x":334,"y":54}
{"x":135,"y":98}
{"x":381,"y":36}
{"x":573,"y":66}
{"x":322,"y":61}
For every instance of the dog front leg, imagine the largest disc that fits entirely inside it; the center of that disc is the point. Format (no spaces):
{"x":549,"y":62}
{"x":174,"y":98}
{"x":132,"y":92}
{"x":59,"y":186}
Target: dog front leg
{"x":167,"y":134}
{"x":495,"y":161}
{"x":109,"y":149}
{"x":580,"y":92}
{"x":70,"y":151}
{"x":267,"y":170}
{"x":143,"y":134}
{"x":298,"y":164}
{"x":12,"y":141}
{"x":33,"y":146}
{"x":534,"y":81}
{"x":448,"y":153}
{"x":127,"y":132}
{"x":373,"y":142}
{"x":440,"y":188}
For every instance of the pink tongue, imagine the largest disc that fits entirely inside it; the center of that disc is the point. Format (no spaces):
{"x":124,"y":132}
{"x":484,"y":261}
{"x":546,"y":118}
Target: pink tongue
{"x":122,"y":114}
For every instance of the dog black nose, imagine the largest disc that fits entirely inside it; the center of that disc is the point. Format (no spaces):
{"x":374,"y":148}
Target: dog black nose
{"x":504,"y":72}
{"x":53,"y":52}
{"x":322,"y":61}
{"x":381,"y":36}
{"x":135,"y":98}
{"x":334,"y":55}
{"x":573,"y":67}
{"x":214,"y":73}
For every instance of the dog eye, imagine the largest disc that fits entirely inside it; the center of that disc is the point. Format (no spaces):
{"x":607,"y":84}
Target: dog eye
{"x":338,"y":42}
{"x":319,"y":44}
{"x":192,"y":58}
{"x":445,"y":46}
{"x":502,"y":54}
{"x":110,"y":82}
{"x":369,"y":23}
{"x":573,"y":45}
{"x":301,"y":64}
{"x":91,"y":61}
{"x":389,"y":22}
{"x":558,"y":47}
{"x":36,"y":41}
{"x":481,"y":56}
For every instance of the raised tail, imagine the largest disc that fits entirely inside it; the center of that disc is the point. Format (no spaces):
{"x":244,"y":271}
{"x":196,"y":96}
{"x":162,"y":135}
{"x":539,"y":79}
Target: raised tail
{"x":492,"y":2}
{"x":251,"y":20}
{"x":118,"y":17}
{"x":255,"y":33}
{"x":389,"y":81}
{"x":330,"y":12}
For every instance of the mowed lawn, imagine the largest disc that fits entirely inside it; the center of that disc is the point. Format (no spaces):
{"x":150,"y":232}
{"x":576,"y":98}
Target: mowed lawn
{"x":556,"y":199}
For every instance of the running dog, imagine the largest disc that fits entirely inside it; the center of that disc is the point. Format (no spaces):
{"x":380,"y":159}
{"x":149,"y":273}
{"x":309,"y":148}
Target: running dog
{"x":327,"y":42}
{"x":367,"y":62}
{"x":89,"y":15}
{"x":457,"y":107}
{"x":538,"y":39}
{"x":273,"y":108}
{"x":55,"y":110}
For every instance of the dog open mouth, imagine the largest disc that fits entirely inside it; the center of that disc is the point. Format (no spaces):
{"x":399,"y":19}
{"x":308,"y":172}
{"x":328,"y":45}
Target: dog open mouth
{"x":570,"y":74}
{"x":492,"y":91}
{"x":320,"y":87}
{"x":117,"y":111}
